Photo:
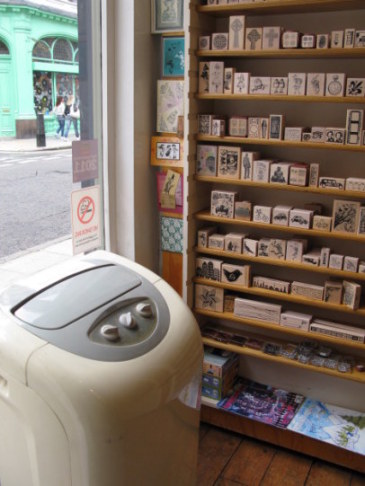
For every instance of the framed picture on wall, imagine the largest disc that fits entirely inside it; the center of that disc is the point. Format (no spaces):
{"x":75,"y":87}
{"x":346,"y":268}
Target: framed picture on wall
{"x":167,"y":16}
{"x":167,"y":152}
{"x":173,"y":56}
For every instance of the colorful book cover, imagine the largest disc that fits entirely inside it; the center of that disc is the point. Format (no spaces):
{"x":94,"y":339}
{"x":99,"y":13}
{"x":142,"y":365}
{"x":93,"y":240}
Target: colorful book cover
{"x":263,"y":403}
{"x":335,"y":425}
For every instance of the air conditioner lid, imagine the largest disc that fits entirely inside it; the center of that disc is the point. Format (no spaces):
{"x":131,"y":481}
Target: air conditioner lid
{"x":68,"y":300}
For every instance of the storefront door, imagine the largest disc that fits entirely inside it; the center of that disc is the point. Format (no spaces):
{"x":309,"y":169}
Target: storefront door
{"x":7,"y":123}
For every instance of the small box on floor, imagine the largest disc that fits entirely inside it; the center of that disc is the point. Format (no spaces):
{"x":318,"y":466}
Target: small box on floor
{"x":218,"y":363}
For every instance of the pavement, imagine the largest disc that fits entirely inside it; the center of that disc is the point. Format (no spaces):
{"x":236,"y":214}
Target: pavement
{"x":30,"y":144}
{"x":20,"y":265}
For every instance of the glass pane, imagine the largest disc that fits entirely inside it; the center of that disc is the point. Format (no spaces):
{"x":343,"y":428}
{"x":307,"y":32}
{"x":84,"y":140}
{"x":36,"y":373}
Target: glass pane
{"x":42,"y":85}
{"x":41,"y":50}
{"x":62,"y":50}
{"x":3,"y":48}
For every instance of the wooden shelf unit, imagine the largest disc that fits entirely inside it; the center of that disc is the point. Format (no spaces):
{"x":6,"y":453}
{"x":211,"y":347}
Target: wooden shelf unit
{"x":205,"y":19}
{"x":331,"y":272}
{"x":272,"y":326}
{"x":206,"y":216}
{"x":280,"y":143}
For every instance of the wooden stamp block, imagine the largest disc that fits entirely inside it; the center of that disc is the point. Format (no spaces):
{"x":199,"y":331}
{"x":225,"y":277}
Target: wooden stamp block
{"x":209,"y":268}
{"x":228,"y":80}
{"x":333,"y":292}
{"x":260,"y":85}
{"x":361,"y":267}
{"x":337,"y":37}
{"x":296,"y":319}
{"x":325,"y":253}
{"x":311,"y":291}
{"x":349,"y":39}
{"x":203,"y":84}
{"x":203,"y":235}
{"x":355,"y":87}
{"x":360,"y":38}
{"x":335,"y":84}
{"x":354,"y":125}
{"x":336,"y":261}
{"x":298,"y":174}
{"x":205,"y":124}
{"x":293,"y":134}
{"x":279,"y":86}
{"x":222,"y":203}
{"x":236,"y":32}
{"x":243,"y":210}
{"x":332,"y":183}
{"x":253,"y":39}
{"x":318,"y":134}
{"x":206,"y":160}
{"x":355,"y":184}
{"x":261,"y":170}
{"x":272,"y":284}
{"x":263,"y":247}
{"x":351,"y":294}
{"x":250,"y":247}
{"x":247,"y":161}
{"x":361,"y":222}
{"x":294,"y":250}
{"x":241,"y":83}
{"x":253,"y":127}
{"x":238,"y":126}
{"x":280,"y":215}
{"x":350,"y":264}
{"x":253,"y":309}
{"x":276,"y":127}
{"x":297,"y":84}
{"x":279,"y":172}
{"x":229,"y":162}
{"x":308,"y":41}
{"x":204,"y":43}
{"x":313,"y":175}
{"x":220,"y":41}
{"x":264,"y":128}
{"x":334,"y":135}
{"x":290,"y":39}
{"x":216,"y":241}
{"x":316,"y":84}
{"x":218,"y":127}
{"x":322,"y":223}
{"x":262,"y":214}
{"x":277,"y":249}
{"x":236,"y":274}
{"x":345,"y":216}
{"x":234,"y":242}
{"x":300,"y":218}
{"x":216,"y":75}
{"x":271,"y":37}
{"x":312,"y":258}
{"x":322,"y":41}
{"x":209,"y":298}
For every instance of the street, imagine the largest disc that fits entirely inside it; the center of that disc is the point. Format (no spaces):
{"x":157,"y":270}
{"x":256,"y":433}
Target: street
{"x":35,"y":194}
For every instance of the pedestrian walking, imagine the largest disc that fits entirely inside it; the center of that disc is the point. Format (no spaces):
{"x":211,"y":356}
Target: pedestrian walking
{"x":73,"y":117}
{"x":59,"y":112}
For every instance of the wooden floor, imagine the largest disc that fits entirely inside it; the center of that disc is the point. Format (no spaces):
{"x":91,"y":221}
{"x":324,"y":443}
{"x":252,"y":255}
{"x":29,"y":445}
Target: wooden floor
{"x":229,"y":459}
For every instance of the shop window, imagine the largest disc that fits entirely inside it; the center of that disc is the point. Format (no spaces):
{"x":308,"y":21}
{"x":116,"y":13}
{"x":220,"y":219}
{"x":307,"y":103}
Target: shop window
{"x":62,"y":50}
{"x":42,"y":84}
{"x":41,"y":50}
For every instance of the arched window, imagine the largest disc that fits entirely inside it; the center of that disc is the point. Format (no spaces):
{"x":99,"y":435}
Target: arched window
{"x":41,"y":50}
{"x":3,"y":48}
{"x":62,"y":50}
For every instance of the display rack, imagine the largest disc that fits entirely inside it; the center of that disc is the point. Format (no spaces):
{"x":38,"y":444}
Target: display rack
{"x":343,"y":389}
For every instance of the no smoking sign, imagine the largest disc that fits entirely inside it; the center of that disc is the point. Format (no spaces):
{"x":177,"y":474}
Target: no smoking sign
{"x":86,"y":231}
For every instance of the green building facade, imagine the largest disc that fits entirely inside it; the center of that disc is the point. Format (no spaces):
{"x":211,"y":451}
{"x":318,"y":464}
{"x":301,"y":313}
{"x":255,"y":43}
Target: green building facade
{"x":38,"y":62}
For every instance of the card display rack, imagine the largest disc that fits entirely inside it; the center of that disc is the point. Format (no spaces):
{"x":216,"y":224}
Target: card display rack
{"x":339,"y":161}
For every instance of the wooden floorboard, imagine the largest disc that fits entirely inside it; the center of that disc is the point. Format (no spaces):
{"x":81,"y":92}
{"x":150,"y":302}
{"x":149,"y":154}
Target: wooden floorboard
{"x":231,"y":459}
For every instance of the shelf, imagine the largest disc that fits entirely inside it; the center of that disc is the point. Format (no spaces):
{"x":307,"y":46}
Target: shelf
{"x":353,"y":376}
{"x":282,"y":187}
{"x":280,"y":143}
{"x":272,"y":326}
{"x":206,"y":216}
{"x":281,"y":6}
{"x":331,"y":272}
{"x":304,"y":99}
{"x":271,"y":294}
{"x":355,"y":52}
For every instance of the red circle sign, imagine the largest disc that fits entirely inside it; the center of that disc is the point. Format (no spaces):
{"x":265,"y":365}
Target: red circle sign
{"x":86,"y":210}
